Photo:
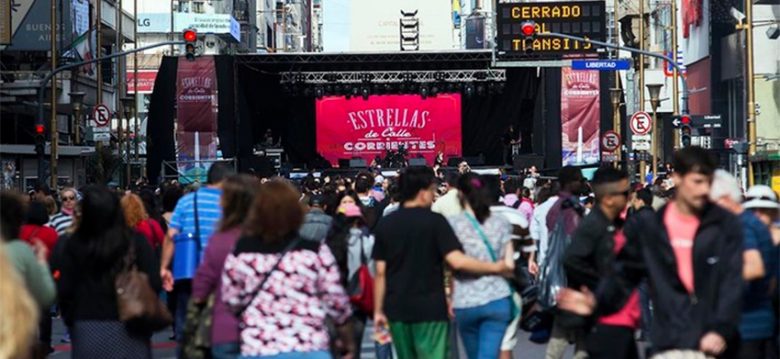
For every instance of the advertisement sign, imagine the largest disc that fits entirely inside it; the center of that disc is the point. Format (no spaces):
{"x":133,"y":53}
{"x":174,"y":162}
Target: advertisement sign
{"x":579,"y":18}
{"x":348,"y":128}
{"x":31,"y":25}
{"x":196,"y":118}
{"x":145,"y":81}
{"x":374,"y":25}
{"x":580,"y":111}
{"x":203,"y":23}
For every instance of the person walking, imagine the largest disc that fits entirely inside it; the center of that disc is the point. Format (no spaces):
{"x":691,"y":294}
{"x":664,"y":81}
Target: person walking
{"x":238,"y":193}
{"x":316,"y":223}
{"x":695,"y":291}
{"x":63,"y":220}
{"x":591,"y":254}
{"x":567,"y":213}
{"x":138,"y":219}
{"x":412,"y":246}
{"x":282,"y":288}
{"x":351,"y":242}
{"x":483,"y":305}
{"x":87,"y":293}
{"x":192,"y":223}
{"x":18,"y":309}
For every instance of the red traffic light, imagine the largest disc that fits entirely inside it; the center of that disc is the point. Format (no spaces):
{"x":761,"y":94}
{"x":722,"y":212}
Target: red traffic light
{"x":39,"y":129}
{"x":190,"y":35}
{"x":528,"y":28}
{"x":685,"y":120}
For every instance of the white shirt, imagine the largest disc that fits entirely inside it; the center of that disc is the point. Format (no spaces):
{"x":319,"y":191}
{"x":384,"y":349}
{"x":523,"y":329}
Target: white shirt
{"x":515,"y":218}
{"x":448,"y":205}
{"x":539,"y":227}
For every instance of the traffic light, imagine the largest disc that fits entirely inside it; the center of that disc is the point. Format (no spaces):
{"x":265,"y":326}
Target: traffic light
{"x":528,"y":32}
{"x":190,"y":49}
{"x":40,"y":139}
{"x":685,"y":135}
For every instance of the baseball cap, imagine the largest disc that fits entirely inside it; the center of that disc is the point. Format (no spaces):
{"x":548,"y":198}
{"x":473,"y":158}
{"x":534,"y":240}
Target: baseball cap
{"x":761,"y":196}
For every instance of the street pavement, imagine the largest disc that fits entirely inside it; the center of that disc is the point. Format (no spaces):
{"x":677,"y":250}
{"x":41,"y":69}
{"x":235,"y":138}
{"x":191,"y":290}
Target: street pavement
{"x":164,"y":348}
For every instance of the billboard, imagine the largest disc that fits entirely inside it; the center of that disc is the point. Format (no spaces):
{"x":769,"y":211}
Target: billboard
{"x":196,"y":118}
{"x":31,"y":25}
{"x":580,"y":111}
{"x":578,"y":18}
{"x":355,"y":127}
{"x":145,"y":81}
{"x":374,"y":25}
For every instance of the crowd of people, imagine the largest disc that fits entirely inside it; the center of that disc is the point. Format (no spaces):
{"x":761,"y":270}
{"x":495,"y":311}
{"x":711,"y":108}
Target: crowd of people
{"x":437,"y":260}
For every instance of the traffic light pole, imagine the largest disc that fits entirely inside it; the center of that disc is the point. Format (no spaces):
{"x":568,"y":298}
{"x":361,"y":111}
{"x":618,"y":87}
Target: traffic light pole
{"x":630,"y":49}
{"x":39,"y":121}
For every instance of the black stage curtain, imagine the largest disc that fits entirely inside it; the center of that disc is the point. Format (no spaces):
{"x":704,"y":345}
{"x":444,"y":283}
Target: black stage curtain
{"x":160,"y":145}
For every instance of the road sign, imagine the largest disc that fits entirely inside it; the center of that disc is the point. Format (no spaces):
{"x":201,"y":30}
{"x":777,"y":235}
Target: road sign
{"x":641,"y":123}
{"x":101,"y":115}
{"x":641,"y":146}
{"x":601,"y":65}
{"x":640,"y":138}
{"x":608,"y":157}
{"x":581,"y":18}
{"x":610,"y":141}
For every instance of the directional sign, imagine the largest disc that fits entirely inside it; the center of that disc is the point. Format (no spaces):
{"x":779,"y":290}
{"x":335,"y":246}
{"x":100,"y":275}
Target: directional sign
{"x":601,"y":65}
{"x":701,"y":121}
{"x":102,"y":115}
{"x":641,"y":146}
{"x":610,"y":141}
{"x":640,"y":138}
{"x":641,"y":123}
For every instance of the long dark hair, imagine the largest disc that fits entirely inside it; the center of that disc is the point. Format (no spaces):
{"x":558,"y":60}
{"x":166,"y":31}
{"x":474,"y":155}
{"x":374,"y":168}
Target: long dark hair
{"x":338,"y":241}
{"x":238,"y":193}
{"x":102,"y":235}
{"x":475,"y":192}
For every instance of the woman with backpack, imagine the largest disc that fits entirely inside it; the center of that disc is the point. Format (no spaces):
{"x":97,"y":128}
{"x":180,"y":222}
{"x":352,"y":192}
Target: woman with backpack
{"x":138,"y":219}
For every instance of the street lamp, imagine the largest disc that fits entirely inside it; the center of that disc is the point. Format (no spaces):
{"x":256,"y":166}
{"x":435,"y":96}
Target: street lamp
{"x":76,"y":100}
{"x":655,"y":101}
{"x":616,"y":94}
{"x":128,"y":103}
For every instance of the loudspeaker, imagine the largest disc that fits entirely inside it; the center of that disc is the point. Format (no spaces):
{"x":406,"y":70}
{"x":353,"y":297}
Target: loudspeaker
{"x":475,"y":160}
{"x":343,"y":163}
{"x":526,"y":161}
{"x":418,"y":162}
{"x":357,"y":163}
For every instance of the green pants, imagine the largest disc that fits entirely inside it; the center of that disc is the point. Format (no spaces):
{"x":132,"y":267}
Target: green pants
{"x":425,"y":340}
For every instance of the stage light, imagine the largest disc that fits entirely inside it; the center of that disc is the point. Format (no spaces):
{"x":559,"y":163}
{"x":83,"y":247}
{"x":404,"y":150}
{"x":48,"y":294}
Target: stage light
{"x":365,"y":92}
{"x":319,"y":92}
{"x":434,"y":90}
{"x":469,"y":90}
{"x":424,"y":91}
{"x":355,"y":91}
{"x":481,"y":90}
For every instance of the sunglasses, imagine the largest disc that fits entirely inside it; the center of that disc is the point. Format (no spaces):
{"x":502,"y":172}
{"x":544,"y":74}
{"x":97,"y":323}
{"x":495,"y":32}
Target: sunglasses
{"x":69,"y":198}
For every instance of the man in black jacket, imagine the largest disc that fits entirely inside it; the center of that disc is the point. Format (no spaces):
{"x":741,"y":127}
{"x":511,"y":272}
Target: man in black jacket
{"x":591,"y":255}
{"x":691,"y":253}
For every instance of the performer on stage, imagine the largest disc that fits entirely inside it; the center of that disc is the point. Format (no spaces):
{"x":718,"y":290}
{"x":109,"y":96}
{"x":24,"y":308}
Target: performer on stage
{"x":511,"y":141}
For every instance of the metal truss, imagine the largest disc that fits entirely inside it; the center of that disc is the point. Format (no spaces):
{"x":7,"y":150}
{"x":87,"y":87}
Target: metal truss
{"x":390,"y":77}
{"x":475,"y":56}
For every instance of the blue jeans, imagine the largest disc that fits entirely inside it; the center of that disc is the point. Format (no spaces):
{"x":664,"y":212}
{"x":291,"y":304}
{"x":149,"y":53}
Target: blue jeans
{"x":226,"y":351}
{"x":294,"y":355}
{"x":482,"y":328}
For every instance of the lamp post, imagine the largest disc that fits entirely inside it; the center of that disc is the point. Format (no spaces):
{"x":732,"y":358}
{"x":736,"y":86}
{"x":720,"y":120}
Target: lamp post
{"x":615,"y":94}
{"x":76,"y":100}
{"x":655,"y":101}
{"x":127,"y":107}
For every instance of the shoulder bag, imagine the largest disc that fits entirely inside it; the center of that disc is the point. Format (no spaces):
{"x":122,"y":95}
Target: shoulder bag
{"x":137,"y":304}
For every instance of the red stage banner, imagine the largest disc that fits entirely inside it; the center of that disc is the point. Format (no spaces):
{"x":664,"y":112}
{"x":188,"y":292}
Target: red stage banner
{"x":355,"y":127}
{"x":196,"y":118}
{"x":580,"y":113}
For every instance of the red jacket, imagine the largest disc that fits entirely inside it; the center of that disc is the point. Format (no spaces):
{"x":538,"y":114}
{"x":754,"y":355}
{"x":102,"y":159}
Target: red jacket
{"x":152,"y":231}
{"x":30,"y":232}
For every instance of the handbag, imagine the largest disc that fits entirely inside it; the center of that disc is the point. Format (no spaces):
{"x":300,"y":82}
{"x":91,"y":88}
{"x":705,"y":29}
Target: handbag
{"x":361,"y":285}
{"x":188,"y":248}
{"x":137,"y":304}
{"x":494,"y":257}
{"x":197,"y":329}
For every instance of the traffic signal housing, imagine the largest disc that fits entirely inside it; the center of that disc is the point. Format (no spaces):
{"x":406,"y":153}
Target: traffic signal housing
{"x":685,"y":135}
{"x":190,"y":37}
{"x":528,"y":32}
{"x":40,"y":139}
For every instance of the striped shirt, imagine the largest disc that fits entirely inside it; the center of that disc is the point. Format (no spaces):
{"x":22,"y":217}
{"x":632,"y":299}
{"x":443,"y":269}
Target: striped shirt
{"x":187,"y":253}
{"x":60,"y":222}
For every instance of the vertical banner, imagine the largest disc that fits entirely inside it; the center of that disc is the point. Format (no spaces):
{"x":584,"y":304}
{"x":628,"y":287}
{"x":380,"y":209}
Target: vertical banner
{"x":348,"y":128}
{"x":580,"y":113}
{"x":196,"y":118}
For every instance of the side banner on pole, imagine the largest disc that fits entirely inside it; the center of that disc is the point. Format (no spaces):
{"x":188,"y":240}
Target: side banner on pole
{"x":580,"y":113}
{"x":196,"y":118}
